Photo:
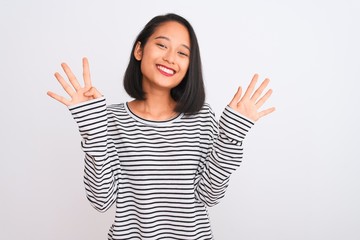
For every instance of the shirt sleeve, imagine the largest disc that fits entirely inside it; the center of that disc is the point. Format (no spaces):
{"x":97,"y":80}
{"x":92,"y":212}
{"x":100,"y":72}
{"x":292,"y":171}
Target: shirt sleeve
{"x":224,"y":155}
{"x":102,"y":166}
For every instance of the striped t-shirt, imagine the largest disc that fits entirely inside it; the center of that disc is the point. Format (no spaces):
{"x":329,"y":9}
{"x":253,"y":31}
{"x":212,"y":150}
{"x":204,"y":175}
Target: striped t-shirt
{"x":161,"y":174}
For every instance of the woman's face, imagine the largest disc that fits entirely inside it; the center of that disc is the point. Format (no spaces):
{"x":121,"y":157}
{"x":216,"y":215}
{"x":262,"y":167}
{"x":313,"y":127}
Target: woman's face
{"x":165,"y":57}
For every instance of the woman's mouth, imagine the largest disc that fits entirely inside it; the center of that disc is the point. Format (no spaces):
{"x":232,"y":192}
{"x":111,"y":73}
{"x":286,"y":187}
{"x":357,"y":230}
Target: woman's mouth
{"x":165,"y":71}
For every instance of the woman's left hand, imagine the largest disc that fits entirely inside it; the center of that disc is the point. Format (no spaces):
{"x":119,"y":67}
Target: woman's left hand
{"x":250,"y":103}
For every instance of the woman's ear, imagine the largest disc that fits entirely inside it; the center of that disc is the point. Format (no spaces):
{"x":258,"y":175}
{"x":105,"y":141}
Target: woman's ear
{"x":138,"y":51}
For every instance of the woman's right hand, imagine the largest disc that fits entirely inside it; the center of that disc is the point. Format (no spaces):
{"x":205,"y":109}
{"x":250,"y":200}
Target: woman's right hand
{"x":77,"y":93}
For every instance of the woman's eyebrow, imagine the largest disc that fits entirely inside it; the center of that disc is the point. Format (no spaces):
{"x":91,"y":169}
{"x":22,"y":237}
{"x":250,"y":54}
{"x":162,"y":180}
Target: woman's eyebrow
{"x":168,"y":39}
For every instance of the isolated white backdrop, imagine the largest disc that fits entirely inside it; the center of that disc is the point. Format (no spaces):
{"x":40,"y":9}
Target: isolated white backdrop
{"x":299,"y":179}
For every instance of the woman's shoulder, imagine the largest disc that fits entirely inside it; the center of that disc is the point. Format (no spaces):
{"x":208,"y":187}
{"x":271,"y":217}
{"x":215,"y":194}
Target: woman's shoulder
{"x":117,"y":108}
{"x":205,"y":112}
{"x":206,"y":108}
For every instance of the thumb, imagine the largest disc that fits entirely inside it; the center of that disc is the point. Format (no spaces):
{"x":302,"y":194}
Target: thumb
{"x":92,"y":92}
{"x":236,"y":98}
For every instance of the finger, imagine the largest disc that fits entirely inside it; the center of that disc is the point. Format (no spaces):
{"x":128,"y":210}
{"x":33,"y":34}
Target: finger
{"x":93,"y":92}
{"x":259,"y":91}
{"x":58,"y":98}
{"x":74,"y":82}
{"x":236,"y":98}
{"x":251,"y":86}
{"x":266,"y":112}
{"x":64,"y":84}
{"x":263,"y":99}
{"x":86,"y":73}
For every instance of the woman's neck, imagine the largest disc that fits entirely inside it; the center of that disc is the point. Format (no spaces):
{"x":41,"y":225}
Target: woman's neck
{"x":157,"y":107}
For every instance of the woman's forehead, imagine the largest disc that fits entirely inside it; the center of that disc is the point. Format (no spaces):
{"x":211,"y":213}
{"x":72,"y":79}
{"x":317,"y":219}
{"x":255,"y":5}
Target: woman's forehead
{"x":172,"y":31}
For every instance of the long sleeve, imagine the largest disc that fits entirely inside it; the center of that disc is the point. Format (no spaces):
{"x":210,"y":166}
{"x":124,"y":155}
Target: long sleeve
{"x":102,"y":166}
{"x":224,"y":156}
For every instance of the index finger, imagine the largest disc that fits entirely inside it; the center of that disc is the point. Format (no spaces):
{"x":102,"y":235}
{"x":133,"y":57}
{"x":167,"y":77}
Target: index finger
{"x":86,"y":73}
{"x":251,"y":86}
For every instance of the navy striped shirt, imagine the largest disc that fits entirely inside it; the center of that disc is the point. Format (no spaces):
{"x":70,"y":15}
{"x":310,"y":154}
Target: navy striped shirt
{"x":161,"y":174}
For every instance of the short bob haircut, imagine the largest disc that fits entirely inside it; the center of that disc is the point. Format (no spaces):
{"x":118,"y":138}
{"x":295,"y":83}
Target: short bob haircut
{"x":190,"y":93}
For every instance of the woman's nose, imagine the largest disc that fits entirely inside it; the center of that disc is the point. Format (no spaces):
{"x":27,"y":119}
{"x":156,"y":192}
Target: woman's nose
{"x":169,"y":57}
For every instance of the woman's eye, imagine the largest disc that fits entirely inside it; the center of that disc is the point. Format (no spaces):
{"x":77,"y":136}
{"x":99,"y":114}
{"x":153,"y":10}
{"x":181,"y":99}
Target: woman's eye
{"x":183,"y":54}
{"x":161,"y":45}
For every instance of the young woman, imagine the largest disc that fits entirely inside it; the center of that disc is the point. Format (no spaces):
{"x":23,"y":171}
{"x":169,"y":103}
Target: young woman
{"x":163,"y":157}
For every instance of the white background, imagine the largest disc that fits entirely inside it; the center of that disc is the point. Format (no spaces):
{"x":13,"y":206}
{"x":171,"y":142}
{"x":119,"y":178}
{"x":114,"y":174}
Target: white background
{"x":300,"y":176}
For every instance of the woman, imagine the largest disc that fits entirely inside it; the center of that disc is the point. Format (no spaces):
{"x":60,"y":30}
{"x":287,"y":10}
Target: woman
{"x":162,"y":157}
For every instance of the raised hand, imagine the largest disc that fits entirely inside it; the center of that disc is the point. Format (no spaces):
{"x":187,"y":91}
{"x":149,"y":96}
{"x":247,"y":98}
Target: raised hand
{"x":250,"y":103}
{"x":76,"y":92}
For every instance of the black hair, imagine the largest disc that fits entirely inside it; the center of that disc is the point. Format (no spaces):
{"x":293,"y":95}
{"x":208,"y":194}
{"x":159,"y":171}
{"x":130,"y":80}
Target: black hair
{"x":190,"y":93}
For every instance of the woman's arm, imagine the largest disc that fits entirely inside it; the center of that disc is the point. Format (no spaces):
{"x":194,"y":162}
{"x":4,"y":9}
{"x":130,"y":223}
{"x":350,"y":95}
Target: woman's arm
{"x":226,"y":153}
{"x":88,"y":108}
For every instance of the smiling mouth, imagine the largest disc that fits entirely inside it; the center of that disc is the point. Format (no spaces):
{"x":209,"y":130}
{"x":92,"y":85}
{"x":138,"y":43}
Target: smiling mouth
{"x":166,"y":71}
